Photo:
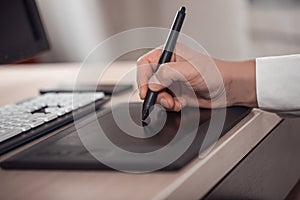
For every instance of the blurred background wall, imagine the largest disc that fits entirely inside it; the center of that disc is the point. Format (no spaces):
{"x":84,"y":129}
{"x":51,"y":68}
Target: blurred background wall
{"x":231,"y":29}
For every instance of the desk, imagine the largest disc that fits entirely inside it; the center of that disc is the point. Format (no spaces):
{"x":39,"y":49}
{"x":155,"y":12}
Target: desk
{"x":192,"y":182}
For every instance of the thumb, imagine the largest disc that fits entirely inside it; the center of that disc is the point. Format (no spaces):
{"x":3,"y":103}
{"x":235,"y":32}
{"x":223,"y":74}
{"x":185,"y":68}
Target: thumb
{"x":167,"y":74}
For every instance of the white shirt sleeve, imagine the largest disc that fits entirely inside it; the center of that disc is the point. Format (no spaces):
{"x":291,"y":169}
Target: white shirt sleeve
{"x":278,"y":83}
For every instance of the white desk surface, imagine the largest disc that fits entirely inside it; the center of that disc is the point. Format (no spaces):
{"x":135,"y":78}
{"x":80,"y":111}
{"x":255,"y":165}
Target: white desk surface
{"x":192,"y":182}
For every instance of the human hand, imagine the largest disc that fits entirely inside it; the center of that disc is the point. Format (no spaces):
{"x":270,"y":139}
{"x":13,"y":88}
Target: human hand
{"x":194,"y":79}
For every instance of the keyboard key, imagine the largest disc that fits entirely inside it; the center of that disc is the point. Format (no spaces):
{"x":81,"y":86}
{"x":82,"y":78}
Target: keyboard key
{"x":23,"y":128}
{"x":34,"y":123}
{"x":47,"y":117}
{"x":8,"y":133}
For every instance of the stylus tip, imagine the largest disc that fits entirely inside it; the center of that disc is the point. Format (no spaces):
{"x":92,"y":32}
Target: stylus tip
{"x":144,"y":123}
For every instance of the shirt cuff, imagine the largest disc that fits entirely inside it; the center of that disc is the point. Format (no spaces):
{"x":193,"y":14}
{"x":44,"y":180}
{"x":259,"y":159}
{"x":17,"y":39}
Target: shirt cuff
{"x":278,"y":83}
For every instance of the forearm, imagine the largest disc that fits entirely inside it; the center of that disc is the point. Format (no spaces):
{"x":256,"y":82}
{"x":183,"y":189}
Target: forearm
{"x":239,"y":81}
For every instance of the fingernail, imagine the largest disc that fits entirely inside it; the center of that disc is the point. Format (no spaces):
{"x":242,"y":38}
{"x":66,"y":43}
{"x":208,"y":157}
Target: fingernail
{"x":164,"y":102}
{"x":180,"y":106}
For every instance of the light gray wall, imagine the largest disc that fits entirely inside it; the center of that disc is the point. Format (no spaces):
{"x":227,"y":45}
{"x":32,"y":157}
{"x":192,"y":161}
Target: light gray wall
{"x":76,"y":26}
{"x":73,"y":27}
{"x":275,"y":28}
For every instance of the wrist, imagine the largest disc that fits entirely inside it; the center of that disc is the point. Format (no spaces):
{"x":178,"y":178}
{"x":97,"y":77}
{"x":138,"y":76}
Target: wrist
{"x":239,"y":80}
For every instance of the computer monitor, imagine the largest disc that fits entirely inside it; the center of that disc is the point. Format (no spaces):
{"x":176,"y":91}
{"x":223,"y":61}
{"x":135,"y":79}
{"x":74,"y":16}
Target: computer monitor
{"x":22,"y":34}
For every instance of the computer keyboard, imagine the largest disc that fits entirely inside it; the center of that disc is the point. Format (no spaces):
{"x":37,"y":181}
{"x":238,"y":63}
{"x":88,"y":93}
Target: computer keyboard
{"x":27,"y":120}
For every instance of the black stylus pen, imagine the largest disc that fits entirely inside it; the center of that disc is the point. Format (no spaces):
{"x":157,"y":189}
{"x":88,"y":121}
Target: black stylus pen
{"x":164,"y":58}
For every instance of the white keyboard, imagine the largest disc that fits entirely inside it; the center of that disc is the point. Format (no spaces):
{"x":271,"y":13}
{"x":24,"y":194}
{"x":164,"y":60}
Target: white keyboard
{"x":23,"y":117}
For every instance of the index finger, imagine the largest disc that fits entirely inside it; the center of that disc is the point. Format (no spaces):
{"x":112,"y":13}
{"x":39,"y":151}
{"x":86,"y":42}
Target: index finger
{"x":146,"y":66}
{"x":150,"y":57}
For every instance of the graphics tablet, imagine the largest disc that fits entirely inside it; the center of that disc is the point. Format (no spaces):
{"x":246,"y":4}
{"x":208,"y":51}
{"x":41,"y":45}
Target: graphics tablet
{"x":166,"y":142}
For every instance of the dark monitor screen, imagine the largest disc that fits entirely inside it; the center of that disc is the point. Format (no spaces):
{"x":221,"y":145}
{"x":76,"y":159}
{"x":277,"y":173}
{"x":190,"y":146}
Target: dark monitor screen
{"x":21,"y":31}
